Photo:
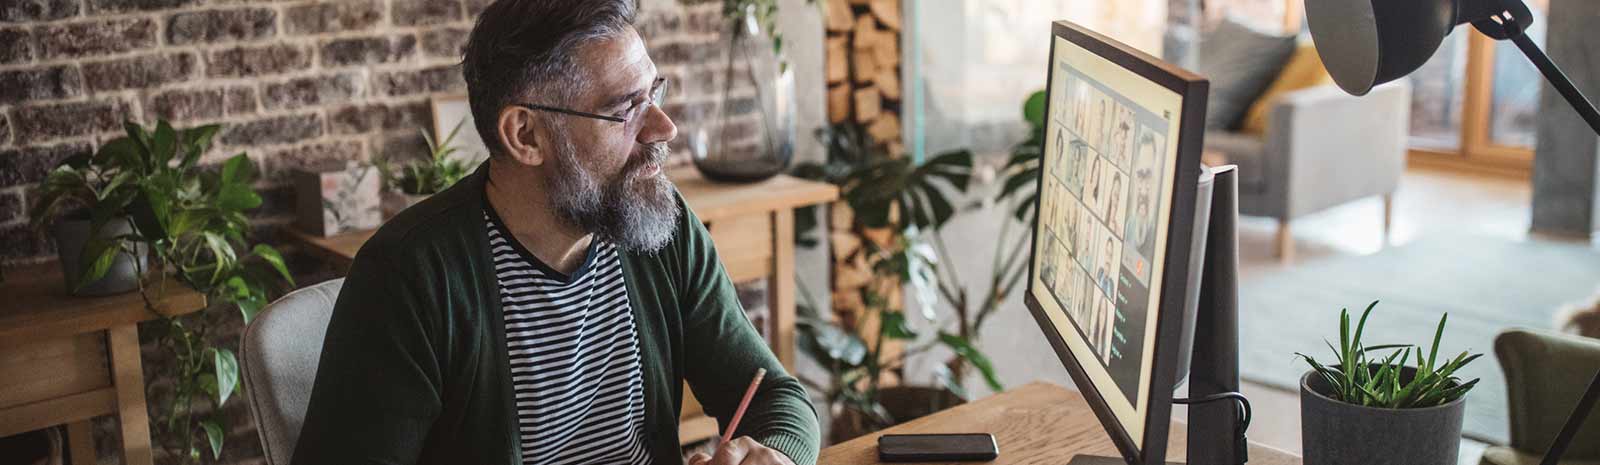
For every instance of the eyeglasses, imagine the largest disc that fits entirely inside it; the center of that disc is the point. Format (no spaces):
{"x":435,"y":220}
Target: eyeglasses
{"x":658,"y":93}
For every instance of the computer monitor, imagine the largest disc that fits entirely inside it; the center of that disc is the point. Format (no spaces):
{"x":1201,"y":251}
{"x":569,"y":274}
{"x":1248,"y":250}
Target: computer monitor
{"x":1115,"y":237}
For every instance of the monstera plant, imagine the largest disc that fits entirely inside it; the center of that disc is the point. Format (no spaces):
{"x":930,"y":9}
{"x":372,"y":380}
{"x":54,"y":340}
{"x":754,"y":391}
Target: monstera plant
{"x":192,"y":220}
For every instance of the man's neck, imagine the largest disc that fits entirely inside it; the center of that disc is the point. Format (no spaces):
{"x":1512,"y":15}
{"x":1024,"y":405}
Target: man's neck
{"x":517,"y":194}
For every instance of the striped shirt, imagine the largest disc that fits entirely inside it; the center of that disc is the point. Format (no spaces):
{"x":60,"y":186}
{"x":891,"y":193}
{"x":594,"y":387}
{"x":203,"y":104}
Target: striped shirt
{"x":574,"y":355}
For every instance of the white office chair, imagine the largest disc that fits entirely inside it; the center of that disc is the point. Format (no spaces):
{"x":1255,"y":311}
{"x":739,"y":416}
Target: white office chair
{"x":279,"y":354}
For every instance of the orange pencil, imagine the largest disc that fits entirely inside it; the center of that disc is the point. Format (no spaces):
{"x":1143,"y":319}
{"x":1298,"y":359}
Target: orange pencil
{"x":743,"y":404}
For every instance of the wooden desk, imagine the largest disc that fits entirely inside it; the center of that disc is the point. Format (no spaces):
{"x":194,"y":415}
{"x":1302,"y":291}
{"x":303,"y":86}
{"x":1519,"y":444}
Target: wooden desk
{"x":752,"y":226}
{"x":66,"y":359}
{"x":1036,"y":423}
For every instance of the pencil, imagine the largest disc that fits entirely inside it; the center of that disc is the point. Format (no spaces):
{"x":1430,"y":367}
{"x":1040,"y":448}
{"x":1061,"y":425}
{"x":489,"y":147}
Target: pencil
{"x":749,"y":393}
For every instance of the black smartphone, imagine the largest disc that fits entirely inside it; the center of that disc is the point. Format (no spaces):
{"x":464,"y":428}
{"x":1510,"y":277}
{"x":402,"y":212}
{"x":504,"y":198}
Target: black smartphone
{"x":975,"y":447}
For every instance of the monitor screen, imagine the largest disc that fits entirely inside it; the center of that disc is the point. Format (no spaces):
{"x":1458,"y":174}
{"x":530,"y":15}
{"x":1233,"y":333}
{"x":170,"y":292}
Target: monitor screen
{"x":1106,"y":206}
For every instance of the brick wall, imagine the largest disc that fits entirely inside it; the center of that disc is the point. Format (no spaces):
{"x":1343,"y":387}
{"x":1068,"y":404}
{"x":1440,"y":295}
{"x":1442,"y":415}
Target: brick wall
{"x":293,"y":81}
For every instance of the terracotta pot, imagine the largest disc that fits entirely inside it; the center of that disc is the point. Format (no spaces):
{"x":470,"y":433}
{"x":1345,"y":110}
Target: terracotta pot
{"x":904,"y":403}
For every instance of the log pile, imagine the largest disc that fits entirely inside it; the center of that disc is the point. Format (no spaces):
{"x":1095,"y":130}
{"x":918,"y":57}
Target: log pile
{"x":864,"y":89}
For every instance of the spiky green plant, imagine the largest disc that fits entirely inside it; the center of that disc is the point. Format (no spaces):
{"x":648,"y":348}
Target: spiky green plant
{"x":1361,"y":379}
{"x":431,"y":175}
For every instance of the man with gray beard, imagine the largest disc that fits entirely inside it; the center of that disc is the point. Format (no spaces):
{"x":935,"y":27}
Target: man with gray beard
{"x":549,"y":308}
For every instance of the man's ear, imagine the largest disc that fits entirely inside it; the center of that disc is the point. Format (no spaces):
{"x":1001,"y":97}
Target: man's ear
{"x":517,"y":134}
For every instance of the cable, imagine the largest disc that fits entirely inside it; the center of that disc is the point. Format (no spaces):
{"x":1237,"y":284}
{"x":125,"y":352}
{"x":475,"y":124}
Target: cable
{"x":1244,"y":403}
{"x":1242,"y":444}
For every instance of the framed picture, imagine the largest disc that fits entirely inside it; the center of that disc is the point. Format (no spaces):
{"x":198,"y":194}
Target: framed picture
{"x":450,"y":110}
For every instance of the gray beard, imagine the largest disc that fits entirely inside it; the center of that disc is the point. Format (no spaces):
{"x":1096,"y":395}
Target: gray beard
{"x":637,"y":214}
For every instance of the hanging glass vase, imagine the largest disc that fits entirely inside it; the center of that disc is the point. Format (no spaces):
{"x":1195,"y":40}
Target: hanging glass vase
{"x":747,"y":132}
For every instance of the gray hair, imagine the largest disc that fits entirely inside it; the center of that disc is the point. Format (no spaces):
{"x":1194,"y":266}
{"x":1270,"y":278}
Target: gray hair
{"x":521,"y":49}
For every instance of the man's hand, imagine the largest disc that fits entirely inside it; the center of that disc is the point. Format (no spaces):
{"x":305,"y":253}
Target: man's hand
{"x":741,"y":451}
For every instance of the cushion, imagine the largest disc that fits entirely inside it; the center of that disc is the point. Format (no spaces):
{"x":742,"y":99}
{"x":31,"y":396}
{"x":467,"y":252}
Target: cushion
{"x":1240,"y":61}
{"x":1304,"y":70}
{"x":1246,"y":151}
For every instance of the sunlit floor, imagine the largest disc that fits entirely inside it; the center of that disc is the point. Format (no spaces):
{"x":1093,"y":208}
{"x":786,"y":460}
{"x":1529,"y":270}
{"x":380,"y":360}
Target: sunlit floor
{"x":1428,"y":201}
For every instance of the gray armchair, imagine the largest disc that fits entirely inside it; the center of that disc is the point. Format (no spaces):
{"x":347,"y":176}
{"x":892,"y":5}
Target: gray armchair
{"x":279,"y":356}
{"x":1546,"y":373}
{"x":1323,"y":148}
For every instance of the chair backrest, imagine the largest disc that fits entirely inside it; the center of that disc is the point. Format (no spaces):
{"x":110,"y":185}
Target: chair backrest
{"x":279,"y":354}
{"x":1545,"y":375}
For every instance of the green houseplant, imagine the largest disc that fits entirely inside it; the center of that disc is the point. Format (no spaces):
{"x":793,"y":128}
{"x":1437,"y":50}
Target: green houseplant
{"x":192,"y":220}
{"x":899,"y":195}
{"x":413,"y":180}
{"x":1372,"y":407}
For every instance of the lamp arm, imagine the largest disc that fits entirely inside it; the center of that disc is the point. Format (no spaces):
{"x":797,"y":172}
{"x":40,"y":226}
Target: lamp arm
{"x":1559,"y":80}
{"x":1509,"y":28}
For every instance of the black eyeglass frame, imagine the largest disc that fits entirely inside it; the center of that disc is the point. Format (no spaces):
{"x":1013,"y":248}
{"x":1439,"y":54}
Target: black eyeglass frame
{"x":656,"y":95}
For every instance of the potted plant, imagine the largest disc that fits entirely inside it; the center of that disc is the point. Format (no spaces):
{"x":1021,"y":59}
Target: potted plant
{"x":85,"y":201}
{"x":411,"y":181}
{"x":885,"y":194}
{"x":1371,"y":408}
{"x":192,"y":220}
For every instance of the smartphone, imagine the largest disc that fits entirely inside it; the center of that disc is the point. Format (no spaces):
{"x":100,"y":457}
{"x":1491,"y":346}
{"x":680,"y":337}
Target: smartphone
{"x":976,"y":447}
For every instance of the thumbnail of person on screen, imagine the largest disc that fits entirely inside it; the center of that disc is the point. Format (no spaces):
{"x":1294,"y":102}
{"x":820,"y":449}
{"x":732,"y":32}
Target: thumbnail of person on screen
{"x":1106,"y":271}
{"x":546,"y":309}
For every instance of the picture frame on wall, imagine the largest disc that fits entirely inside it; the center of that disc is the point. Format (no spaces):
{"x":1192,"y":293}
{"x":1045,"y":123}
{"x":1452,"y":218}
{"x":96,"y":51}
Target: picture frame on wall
{"x":449,"y":110}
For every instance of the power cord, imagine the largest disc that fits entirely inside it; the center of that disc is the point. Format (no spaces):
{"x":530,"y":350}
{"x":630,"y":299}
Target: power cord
{"x":1241,"y":443}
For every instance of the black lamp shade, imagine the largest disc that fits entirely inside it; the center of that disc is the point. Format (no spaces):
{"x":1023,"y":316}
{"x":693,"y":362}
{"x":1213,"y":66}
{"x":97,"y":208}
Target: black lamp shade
{"x":1364,"y":43}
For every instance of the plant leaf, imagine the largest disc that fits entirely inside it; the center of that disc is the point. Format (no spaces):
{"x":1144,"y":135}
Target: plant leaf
{"x":894,"y":326}
{"x":214,"y":435}
{"x":227,"y":370}
{"x":272,"y":257}
{"x":964,"y":349}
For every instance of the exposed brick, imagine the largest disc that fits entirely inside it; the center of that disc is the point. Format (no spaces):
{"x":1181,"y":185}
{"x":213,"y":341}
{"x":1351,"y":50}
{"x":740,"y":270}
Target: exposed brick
{"x":423,"y":12}
{"x":16,"y":46}
{"x":11,"y":205}
{"x":300,"y":92}
{"x":283,"y":162}
{"x":354,"y":119}
{"x":476,"y":7}
{"x":21,"y":241}
{"x":103,"y":6}
{"x":185,"y":105}
{"x":435,"y":79}
{"x":446,"y":42}
{"x":37,"y":10}
{"x":40,"y":83}
{"x":257,"y":61}
{"x":276,"y":130}
{"x":399,"y":146}
{"x":5,"y":129}
{"x":143,"y":72}
{"x":221,"y":25}
{"x":671,"y":53}
{"x":318,"y":18}
{"x":39,"y":123}
{"x":653,"y":27}
{"x":94,"y":37}
{"x":29,"y":165}
{"x":368,"y":50}
{"x":239,"y":101}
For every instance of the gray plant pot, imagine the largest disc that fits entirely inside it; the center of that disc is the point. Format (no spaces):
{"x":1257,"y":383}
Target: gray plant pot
{"x":123,"y":276}
{"x":1337,"y":433}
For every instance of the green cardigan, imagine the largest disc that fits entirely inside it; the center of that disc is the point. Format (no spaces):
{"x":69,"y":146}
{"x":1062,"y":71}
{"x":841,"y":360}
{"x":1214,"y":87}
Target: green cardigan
{"x":414,"y":366}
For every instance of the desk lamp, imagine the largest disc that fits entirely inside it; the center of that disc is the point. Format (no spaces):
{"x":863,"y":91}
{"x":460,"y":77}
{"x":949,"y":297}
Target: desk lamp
{"x":1369,"y":42}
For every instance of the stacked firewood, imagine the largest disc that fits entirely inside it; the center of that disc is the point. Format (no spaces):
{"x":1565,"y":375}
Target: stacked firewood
{"x":864,"y":90}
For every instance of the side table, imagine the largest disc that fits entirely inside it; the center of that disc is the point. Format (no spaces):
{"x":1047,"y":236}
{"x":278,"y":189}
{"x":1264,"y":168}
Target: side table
{"x":67,"y":359}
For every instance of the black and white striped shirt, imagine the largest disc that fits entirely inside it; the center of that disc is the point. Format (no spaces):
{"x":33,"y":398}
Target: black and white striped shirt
{"x":574,"y":355}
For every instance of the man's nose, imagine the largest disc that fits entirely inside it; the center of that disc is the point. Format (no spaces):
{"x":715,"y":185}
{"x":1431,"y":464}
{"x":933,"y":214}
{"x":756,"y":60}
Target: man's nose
{"x":658,"y":127}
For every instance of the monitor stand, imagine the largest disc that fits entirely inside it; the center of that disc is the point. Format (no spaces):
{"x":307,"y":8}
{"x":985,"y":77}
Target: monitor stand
{"x":1214,"y":436}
